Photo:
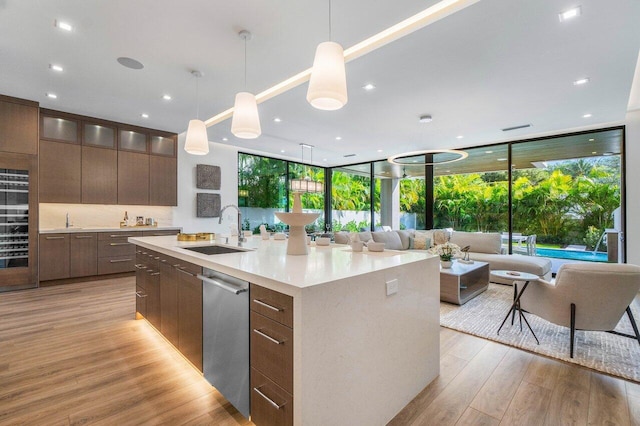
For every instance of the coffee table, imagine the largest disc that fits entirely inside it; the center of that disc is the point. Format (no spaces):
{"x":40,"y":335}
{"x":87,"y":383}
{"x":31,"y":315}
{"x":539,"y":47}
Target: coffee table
{"x":463,"y":281}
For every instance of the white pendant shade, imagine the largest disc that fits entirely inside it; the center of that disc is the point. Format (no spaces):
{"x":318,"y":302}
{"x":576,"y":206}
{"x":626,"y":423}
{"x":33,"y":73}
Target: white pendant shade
{"x":245,"y":123}
{"x":197,"y":142}
{"x":328,"y":83}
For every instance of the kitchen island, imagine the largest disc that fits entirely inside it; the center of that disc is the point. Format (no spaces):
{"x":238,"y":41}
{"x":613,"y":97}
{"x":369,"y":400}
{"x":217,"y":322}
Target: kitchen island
{"x":365,"y":325}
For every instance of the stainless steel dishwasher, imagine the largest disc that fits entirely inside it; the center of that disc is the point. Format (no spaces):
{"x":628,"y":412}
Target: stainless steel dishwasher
{"x":225,"y":332}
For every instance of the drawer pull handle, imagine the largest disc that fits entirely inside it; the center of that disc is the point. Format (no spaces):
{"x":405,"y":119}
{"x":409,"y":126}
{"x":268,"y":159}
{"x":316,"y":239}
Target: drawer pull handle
{"x":119,"y":244}
{"x":185,"y":272}
{"x":54,"y":238}
{"x":266,"y":305}
{"x":154,"y":273}
{"x":119,"y":260}
{"x":269,"y":400}
{"x":138,"y":266}
{"x":177,"y":265}
{"x":139,"y":294}
{"x":269,"y":338}
{"x":163,"y":260}
{"x":81,"y":237}
{"x":120,"y":236}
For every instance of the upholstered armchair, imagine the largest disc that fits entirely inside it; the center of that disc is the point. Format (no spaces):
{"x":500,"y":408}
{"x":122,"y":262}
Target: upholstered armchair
{"x":585,"y":296}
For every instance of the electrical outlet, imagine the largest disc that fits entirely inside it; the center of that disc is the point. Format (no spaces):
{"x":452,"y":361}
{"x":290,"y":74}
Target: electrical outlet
{"x":392,"y":287}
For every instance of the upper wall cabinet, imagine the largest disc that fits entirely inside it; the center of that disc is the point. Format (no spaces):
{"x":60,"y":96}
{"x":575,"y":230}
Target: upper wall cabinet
{"x":94,"y":161}
{"x":18,"y":126}
{"x":134,"y":140}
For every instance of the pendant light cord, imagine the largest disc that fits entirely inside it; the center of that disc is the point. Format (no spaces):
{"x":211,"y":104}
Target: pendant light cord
{"x":245,"y":64}
{"x":197,"y":100}
{"x":330,"y":35}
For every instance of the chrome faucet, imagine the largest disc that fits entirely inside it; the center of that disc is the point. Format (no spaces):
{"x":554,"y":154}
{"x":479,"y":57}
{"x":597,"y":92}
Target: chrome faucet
{"x":241,"y":238}
{"x":67,"y":224}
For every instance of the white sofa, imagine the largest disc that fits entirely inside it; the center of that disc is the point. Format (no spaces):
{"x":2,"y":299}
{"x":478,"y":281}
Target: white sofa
{"x":484,"y":247}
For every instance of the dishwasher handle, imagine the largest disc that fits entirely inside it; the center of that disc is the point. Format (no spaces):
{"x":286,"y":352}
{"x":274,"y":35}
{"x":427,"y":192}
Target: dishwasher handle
{"x":225,"y":286}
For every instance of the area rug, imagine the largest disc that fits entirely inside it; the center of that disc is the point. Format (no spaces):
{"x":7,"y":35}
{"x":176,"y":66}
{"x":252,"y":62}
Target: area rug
{"x":605,"y":352}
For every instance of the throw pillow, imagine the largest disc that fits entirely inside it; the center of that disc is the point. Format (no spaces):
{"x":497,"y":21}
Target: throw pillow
{"x":341,"y":237}
{"x":419,"y":242}
{"x":440,"y":236}
{"x":391,"y":240}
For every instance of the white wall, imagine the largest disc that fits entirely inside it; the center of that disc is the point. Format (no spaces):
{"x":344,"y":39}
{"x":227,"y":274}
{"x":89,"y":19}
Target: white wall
{"x":633,"y":188}
{"x":184,"y":215}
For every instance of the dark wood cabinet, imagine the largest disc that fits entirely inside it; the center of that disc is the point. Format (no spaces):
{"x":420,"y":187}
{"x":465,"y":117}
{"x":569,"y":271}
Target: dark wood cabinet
{"x":190,"y":313}
{"x":92,"y":161}
{"x":18,"y":126}
{"x":83,"y":254}
{"x":169,"y":299}
{"x":54,"y":256}
{"x":99,"y":175}
{"x":153,"y":289}
{"x":60,"y":172}
{"x":133,"y":178}
{"x":271,"y":325}
{"x":163,"y":181}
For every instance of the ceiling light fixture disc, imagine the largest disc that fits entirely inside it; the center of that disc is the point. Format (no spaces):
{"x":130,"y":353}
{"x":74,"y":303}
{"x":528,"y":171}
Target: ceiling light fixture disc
{"x":451,"y":156}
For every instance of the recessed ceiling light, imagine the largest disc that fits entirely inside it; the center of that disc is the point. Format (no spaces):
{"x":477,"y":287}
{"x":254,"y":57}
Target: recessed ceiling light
{"x":166,"y":97}
{"x":324,"y":159}
{"x":459,"y":137}
{"x":488,"y":152}
{"x":282,"y":151}
{"x":570,"y":13}
{"x":501,"y":159}
{"x":425,"y":119}
{"x":591,"y":140}
{"x":586,"y":116}
{"x":277,"y":119}
{"x":414,"y":161}
{"x":447,"y":171}
{"x":581,"y":81}
{"x":594,"y":152}
{"x":338,"y":138}
{"x":144,"y":115}
{"x":607,"y":153}
{"x":52,"y":95}
{"x":225,"y":139}
{"x":368,"y":86}
{"x":63,"y":25}
{"x":379,"y":150}
{"x":56,"y":67}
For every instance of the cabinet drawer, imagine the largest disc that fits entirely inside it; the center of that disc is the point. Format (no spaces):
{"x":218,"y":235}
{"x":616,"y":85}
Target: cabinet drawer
{"x":272,"y":350}
{"x":116,"y":264}
{"x":160,"y":233}
{"x":118,"y":236}
{"x":187,"y":267}
{"x":115,"y":248}
{"x":271,"y":304}
{"x":270,"y":404}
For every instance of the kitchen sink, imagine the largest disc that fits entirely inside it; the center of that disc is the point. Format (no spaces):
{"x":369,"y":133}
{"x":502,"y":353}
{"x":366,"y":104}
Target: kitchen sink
{"x":210,"y":250}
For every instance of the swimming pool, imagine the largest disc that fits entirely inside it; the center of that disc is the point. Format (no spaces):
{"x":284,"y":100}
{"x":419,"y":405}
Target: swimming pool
{"x":572,"y":254}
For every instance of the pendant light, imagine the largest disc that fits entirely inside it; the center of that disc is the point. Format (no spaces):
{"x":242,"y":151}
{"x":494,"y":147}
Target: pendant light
{"x":197,"y":142}
{"x":245,"y":123}
{"x":328,"y":82}
{"x":306,"y":184}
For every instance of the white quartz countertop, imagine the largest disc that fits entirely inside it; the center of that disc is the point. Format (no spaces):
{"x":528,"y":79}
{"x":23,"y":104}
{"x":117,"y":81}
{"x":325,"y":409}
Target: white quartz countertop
{"x":74,"y":229}
{"x":267,"y":261}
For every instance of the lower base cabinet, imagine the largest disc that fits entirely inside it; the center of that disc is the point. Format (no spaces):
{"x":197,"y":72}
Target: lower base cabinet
{"x":172,"y":300}
{"x":270,"y":404}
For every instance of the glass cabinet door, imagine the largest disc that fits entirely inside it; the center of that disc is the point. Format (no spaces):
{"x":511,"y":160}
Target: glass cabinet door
{"x":14,"y":218}
{"x":131,"y":140}
{"x":161,"y":145}
{"x":99,"y":135}
{"x":59,"y":129}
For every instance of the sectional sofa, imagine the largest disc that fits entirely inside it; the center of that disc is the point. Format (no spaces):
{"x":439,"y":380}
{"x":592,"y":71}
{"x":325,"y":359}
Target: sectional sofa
{"x":484,"y":247}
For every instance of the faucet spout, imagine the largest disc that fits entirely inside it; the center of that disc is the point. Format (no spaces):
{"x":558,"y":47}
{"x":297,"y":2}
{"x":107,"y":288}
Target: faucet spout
{"x":67,"y":223}
{"x":241,"y":238}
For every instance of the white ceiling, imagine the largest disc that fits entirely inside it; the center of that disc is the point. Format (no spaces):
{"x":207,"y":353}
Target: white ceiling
{"x":495,"y":64}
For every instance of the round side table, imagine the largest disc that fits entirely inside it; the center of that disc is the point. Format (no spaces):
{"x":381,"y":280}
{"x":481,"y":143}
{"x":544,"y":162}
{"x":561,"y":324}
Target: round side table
{"x":514,"y":277}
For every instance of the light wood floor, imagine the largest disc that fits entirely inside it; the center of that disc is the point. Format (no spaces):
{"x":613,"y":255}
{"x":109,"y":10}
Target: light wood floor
{"x":73,"y":354}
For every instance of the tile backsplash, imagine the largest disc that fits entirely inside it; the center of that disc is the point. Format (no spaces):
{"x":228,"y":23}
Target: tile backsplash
{"x":53,"y":215}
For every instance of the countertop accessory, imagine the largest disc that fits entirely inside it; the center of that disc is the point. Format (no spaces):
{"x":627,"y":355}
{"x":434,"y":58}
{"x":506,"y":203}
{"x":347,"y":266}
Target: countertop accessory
{"x":323,"y":241}
{"x":205,"y":236}
{"x":297,"y":244}
{"x":139,"y":220}
{"x":186,"y":237}
{"x":357,"y":246}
